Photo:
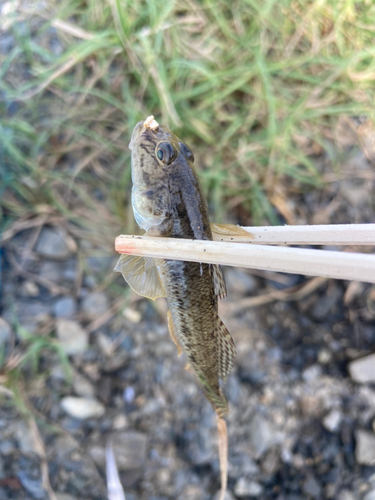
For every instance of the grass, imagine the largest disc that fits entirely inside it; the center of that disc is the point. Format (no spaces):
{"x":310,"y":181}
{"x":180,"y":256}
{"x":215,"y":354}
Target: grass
{"x":251,"y":85}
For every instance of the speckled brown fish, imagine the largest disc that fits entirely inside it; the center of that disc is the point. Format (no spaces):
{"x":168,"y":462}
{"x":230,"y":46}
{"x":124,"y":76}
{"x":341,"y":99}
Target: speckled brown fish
{"x":168,"y":201}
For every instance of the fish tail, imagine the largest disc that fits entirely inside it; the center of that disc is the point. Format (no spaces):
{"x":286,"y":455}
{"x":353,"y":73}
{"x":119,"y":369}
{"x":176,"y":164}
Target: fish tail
{"x":215,"y":396}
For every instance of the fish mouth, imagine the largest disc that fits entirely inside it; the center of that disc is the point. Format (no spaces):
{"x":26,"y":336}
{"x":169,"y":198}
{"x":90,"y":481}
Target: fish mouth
{"x":143,"y":128}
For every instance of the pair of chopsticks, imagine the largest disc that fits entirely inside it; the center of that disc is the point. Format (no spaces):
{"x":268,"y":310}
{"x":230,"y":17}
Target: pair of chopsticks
{"x":266,"y":248}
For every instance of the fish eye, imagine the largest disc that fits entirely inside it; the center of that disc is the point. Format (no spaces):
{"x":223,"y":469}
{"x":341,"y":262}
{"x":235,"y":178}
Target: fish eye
{"x":186,"y":151}
{"x":165,"y":153}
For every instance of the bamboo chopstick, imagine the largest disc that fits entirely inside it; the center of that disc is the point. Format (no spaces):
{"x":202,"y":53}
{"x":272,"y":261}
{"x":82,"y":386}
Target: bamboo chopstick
{"x":331,"y":264}
{"x":332,"y":234}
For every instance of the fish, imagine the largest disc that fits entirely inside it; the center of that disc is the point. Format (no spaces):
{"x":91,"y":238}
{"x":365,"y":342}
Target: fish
{"x":168,"y":201}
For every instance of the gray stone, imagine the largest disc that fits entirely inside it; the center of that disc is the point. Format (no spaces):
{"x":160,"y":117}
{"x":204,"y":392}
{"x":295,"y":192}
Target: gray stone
{"x":65,"y":307}
{"x":311,"y":373}
{"x":73,"y":338}
{"x":25,"y":438}
{"x":370,"y":495}
{"x":332,"y":421}
{"x":31,"y":313}
{"x":82,"y":386}
{"x":345,"y":495}
{"x":228,"y":496}
{"x":82,"y":408}
{"x":52,"y":244}
{"x":51,"y":271}
{"x":271,"y":463}
{"x":5,"y":332}
{"x":64,"y":446}
{"x":129,"y":449}
{"x":311,"y":487}
{"x":95,"y":304}
{"x":64,"y":496}
{"x":365,"y":447}
{"x":246,"y":488}
{"x":29,"y":289}
{"x":263,"y":435}
{"x":33,"y":486}
{"x":363,"y":370}
{"x":6,"y":447}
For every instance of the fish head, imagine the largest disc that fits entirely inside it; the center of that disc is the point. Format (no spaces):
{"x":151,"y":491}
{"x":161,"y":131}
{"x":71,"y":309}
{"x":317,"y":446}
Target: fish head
{"x":156,"y":154}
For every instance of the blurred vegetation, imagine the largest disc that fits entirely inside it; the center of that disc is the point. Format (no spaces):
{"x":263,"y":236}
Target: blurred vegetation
{"x":256,"y":87}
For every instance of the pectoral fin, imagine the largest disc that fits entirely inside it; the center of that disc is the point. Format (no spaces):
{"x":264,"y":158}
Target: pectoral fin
{"x":226,"y":349}
{"x":230,"y":232}
{"x":218,"y":280}
{"x":142,"y":275}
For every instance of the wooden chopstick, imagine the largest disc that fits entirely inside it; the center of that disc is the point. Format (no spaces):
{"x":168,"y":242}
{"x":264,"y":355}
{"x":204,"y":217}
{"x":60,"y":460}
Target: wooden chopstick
{"x":330,"y":264}
{"x":332,"y":234}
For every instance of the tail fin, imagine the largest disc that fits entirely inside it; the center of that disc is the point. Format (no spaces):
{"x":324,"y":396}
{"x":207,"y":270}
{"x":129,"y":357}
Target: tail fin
{"x":215,"y":396}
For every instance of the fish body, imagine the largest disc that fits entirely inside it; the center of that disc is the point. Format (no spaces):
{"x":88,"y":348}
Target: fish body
{"x":168,"y":201}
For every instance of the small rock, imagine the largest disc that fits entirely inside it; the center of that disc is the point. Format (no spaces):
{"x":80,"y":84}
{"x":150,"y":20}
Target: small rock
{"x":370,"y":495}
{"x":5,"y":332}
{"x":324,"y":356}
{"x":6,"y":447}
{"x":25,"y":438}
{"x":73,"y":338}
{"x":263,"y":435}
{"x":51,"y":271}
{"x":82,"y":386}
{"x":192,"y":492}
{"x":29,"y":313}
{"x":129,"y":449}
{"x":119,"y":422}
{"x":346,"y":495}
{"x":65,"y":445}
{"x":129,"y":394}
{"x":363,"y":370}
{"x":58,"y":372}
{"x":64,"y":496}
{"x":246,"y":488}
{"x":311,"y":405}
{"x":65,"y":307}
{"x":53,"y":244}
{"x":365,"y":447}
{"x":311,"y":487}
{"x":33,"y":486}
{"x":29,"y":289}
{"x":82,"y":408}
{"x":132,"y":315}
{"x":332,"y":421}
{"x":228,"y":496}
{"x":95,"y":304}
{"x":311,"y":373}
{"x":271,"y":463}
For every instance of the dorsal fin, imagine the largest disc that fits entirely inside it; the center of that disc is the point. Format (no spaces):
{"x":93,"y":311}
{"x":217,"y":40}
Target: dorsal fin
{"x":226,"y":349}
{"x":142,"y":275}
{"x":229,"y":232}
{"x":218,"y":280}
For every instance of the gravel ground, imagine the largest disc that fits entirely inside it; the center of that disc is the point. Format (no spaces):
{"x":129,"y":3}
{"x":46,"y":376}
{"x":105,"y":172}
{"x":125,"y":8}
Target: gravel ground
{"x":302,"y":392}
